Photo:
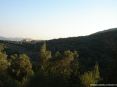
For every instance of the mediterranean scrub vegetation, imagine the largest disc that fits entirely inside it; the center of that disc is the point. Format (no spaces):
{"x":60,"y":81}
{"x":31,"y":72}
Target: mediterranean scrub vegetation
{"x":67,"y":62}
{"x":59,"y":69}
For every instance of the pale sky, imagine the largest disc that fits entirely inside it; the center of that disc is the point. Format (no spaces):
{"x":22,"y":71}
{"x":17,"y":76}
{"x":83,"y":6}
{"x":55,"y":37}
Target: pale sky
{"x":49,"y":19}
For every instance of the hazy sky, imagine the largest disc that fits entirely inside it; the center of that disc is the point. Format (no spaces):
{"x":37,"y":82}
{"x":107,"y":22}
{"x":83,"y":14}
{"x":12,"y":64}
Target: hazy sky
{"x":48,"y":19}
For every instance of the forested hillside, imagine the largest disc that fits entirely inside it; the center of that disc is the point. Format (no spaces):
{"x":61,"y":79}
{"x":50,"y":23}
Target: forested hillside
{"x":64,"y":62}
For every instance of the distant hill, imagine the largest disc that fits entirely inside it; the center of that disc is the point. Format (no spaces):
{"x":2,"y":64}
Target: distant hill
{"x":13,"y":39}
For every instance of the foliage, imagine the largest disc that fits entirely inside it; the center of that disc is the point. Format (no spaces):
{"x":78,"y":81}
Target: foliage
{"x":45,"y":55}
{"x":2,"y":47}
{"x":3,"y":62}
{"x":58,"y":55}
{"x":20,"y":67}
{"x":90,"y":77}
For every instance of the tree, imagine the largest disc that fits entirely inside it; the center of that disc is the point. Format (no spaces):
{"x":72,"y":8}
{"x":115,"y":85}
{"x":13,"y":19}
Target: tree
{"x":5,"y":79}
{"x":44,"y":53}
{"x":96,"y":72}
{"x":21,"y":67}
{"x":90,"y":77}
{"x":64,"y":66}
{"x":75,"y":54}
{"x":3,"y":62}
{"x":2,"y":46}
{"x":58,"y":55}
{"x":68,"y":56}
{"x":75,"y":74}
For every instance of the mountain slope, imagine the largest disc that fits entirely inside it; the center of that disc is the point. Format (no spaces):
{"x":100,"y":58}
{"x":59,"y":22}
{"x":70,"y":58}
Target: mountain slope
{"x":100,"y":47}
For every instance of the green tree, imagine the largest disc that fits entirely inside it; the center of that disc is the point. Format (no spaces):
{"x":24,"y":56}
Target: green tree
{"x":45,"y":55}
{"x":5,"y":79}
{"x":20,"y":67}
{"x":58,"y":72}
{"x":76,"y":55}
{"x":96,"y":73}
{"x":58,"y":55}
{"x":68,"y":56}
{"x":3,"y":62}
{"x":64,"y":66}
{"x":2,"y":46}
{"x":91,"y":77}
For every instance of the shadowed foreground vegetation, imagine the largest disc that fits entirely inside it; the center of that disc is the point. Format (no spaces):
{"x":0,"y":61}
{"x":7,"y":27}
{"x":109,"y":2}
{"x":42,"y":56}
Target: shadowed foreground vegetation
{"x":57,"y":70}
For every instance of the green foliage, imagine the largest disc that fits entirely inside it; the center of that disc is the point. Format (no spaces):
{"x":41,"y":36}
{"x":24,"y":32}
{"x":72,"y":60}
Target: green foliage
{"x":96,"y":73}
{"x":75,"y":68}
{"x":58,"y":55}
{"x":57,"y":73}
{"x":87,"y":79}
{"x":75,"y":54}
{"x":68,"y":56}
{"x":20,"y":67}
{"x":3,"y":62}
{"x":2,"y":47}
{"x":90,"y":77}
{"x":44,"y":54}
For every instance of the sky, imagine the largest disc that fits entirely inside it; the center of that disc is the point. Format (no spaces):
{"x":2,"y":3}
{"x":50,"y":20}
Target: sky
{"x":49,"y":19}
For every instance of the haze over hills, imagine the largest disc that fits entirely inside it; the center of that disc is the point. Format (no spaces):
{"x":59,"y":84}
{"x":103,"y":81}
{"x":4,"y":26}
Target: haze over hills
{"x":29,"y":39}
{"x":13,"y":39}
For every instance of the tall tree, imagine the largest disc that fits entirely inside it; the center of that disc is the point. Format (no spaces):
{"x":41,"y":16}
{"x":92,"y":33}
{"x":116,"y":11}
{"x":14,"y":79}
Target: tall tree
{"x":45,"y":55}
